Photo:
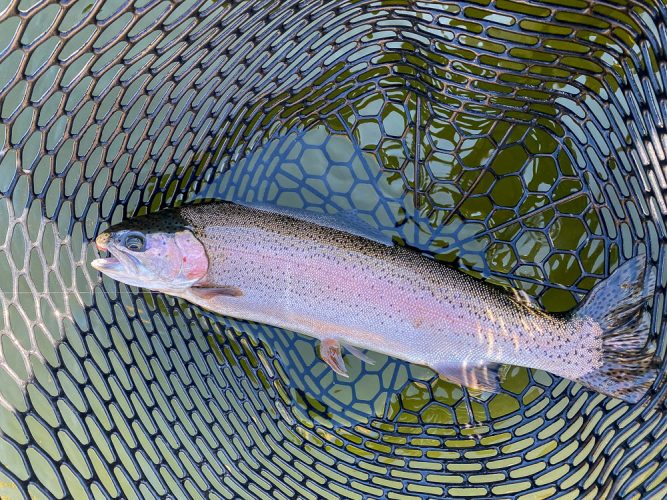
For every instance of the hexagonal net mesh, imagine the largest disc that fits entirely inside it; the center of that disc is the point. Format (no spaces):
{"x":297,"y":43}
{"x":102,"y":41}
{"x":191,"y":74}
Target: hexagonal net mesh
{"x":523,"y":142}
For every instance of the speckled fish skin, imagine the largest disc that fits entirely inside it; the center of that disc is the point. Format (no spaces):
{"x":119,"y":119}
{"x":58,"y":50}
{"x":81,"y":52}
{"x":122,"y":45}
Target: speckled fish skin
{"x":329,"y":284}
{"x":335,"y":286}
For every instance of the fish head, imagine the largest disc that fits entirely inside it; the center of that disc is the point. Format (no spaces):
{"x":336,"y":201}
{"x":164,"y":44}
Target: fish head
{"x":155,"y":252}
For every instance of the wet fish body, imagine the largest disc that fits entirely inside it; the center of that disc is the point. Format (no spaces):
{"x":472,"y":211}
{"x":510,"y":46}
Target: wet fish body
{"x":355,"y":293}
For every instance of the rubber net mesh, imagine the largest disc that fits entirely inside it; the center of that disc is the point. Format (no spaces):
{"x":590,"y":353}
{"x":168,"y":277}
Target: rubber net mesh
{"x":523,"y":142}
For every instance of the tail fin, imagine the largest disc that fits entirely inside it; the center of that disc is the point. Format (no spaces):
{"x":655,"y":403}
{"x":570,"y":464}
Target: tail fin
{"x":618,"y":306}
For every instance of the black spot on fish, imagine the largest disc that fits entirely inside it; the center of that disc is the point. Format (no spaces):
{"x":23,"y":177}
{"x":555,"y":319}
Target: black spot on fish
{"x":166,"y":221}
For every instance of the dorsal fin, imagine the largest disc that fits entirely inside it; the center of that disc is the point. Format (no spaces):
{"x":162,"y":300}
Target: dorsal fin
{"x":521,"y":297}
{"x":347,"y":221}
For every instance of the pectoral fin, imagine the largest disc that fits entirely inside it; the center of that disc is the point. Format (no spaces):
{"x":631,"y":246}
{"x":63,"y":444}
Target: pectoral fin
{"x":222,"y":291}
{"x":330,"y":352}
{"x":474,"y":374}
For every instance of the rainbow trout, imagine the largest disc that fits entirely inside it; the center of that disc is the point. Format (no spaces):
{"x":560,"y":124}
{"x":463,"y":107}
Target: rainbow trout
{"x":354,"y":293}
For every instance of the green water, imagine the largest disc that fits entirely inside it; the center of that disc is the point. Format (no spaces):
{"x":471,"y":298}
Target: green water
{"x":500,"y":200}
{"x":486,"y":134}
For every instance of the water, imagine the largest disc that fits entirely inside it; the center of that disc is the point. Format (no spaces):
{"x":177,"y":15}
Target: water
{"x":495,"y":140}
{"x":502,"y":200}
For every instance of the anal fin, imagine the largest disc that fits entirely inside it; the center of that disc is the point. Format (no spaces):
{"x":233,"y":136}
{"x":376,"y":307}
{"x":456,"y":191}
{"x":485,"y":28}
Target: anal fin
{"x":482,"y":375}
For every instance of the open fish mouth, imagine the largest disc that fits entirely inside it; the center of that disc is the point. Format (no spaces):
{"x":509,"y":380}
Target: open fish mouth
{"x":118,"y":263}
{"x":108,"y":264}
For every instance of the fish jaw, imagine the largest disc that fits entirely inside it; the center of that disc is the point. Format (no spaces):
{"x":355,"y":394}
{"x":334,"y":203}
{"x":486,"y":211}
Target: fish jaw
{"x":102,"y":242}
{"x":120,"y":266}
{"x":107,"y":266}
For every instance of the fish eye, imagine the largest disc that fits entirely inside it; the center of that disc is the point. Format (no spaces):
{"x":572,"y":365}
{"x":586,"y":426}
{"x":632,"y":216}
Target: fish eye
{"x":135,"y":242}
